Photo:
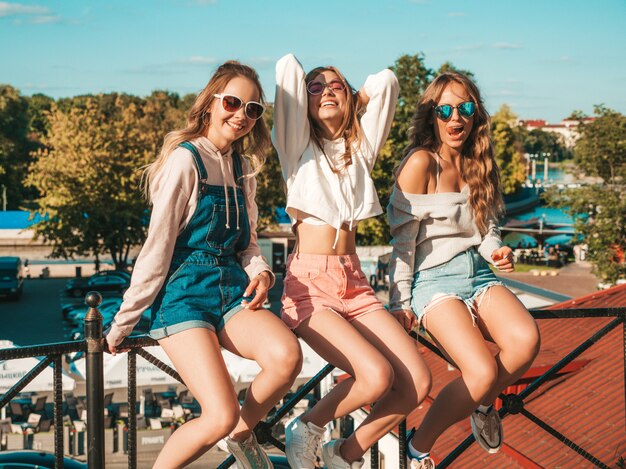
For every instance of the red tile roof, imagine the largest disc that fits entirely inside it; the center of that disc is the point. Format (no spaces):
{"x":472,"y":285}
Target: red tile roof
{"x":585,"y":403}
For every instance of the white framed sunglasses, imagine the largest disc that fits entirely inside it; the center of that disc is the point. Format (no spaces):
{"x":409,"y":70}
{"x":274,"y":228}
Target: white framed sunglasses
{"x":231,"y":103}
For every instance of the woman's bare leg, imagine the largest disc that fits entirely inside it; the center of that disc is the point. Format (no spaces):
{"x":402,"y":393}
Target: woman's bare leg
{"x":260,"y":336}
{"x":197,"y":357}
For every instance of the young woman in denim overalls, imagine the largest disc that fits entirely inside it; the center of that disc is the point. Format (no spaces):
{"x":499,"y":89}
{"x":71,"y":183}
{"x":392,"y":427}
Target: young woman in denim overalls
{"x":202,"y":272}
{"x":442,"y":214}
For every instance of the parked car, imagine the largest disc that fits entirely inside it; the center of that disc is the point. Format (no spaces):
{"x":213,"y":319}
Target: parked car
{"x":29,"y":459}
{"x":105,"y":281}
{"x":11,"y":277}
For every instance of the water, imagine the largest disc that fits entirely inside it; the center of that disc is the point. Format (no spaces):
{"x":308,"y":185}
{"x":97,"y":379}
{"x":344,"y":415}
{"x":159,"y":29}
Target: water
{"x":550,"y":215}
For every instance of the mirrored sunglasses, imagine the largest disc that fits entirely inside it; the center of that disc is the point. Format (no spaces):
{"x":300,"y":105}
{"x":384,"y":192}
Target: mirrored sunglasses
{"x":317,"y":87}
{"x":230,"y":103}
{"x":466,"y":109}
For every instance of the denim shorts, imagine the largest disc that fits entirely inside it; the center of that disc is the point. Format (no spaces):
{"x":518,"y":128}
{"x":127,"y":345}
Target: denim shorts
{"x":465,"y":277}
{"x":203,"y":290}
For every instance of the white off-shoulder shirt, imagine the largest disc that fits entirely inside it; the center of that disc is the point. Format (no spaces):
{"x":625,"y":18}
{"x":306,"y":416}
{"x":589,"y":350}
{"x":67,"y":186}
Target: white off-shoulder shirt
{"x":429,"y":230}
{"x":174,"y":197}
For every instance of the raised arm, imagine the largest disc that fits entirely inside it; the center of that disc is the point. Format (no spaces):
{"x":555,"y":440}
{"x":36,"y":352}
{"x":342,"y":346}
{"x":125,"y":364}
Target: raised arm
{"x":380,"y":92}
{"x":291,"y":132}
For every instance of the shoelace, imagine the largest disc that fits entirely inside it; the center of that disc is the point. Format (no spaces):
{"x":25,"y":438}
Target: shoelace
{"x":251,"y":449}
{"x":312,"y":446}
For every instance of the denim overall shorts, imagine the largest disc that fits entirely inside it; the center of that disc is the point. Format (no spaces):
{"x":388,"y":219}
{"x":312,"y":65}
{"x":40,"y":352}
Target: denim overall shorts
{"x":205,"y":283}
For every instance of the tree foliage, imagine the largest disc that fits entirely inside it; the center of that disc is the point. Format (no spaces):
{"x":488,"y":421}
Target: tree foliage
{"x":88,"y":172}
{"x":601,"y":149}
{"x":15,"y":146}
{"x":600,"y":210}
{"x":508,"y":150}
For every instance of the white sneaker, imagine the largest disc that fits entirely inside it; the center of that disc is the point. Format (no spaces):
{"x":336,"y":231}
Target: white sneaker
{"x":332,"y":457}
{"x":487,"y":429}
{"x":302,"y":444}
{"x":424,"y":463}
{"x":248,"y":454}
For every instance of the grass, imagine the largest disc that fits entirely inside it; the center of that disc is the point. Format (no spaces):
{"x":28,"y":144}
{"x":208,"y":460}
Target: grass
{"x":524,"y":268}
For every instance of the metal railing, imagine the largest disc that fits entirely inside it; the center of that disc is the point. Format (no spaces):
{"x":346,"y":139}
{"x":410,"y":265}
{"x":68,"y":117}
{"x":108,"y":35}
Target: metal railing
{"x":93,"y":347}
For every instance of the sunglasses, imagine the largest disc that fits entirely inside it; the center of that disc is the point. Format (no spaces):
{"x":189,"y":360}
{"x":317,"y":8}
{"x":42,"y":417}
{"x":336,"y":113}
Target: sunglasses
{"x":466,"y":109}
{"x":317,"y":87}
{"x":230,"y":103}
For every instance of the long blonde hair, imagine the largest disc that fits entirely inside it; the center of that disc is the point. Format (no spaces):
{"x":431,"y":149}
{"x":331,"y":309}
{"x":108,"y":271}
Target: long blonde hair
{"x":350,"y":129}
{"x":252,"y":145}
{"x":478,"y":165}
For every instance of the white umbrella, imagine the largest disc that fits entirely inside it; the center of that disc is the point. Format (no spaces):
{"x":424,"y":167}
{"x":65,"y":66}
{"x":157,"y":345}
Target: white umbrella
{"x":116,"y":369}
{"x":11,"y":371}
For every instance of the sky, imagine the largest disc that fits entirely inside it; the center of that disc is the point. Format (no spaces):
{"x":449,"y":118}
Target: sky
{"x":543,"y":58}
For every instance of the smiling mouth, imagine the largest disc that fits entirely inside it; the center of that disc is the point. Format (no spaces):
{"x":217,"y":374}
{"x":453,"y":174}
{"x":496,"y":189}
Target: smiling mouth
{"x":236,"y":127}
{"x":328,"y":104}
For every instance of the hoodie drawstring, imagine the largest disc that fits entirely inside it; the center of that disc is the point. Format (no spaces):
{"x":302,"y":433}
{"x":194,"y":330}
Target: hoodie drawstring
{"x":221,"y":158}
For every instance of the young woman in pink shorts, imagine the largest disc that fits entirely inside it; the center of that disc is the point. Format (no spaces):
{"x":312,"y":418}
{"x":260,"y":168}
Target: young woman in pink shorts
{"x":326,"y":153}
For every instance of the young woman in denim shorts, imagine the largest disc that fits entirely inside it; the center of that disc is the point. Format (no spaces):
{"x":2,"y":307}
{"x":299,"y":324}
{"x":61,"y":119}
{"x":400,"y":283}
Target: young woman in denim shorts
{"x":327,"y":153}
{"x":202,"y":271}
{"x":442,"y":214}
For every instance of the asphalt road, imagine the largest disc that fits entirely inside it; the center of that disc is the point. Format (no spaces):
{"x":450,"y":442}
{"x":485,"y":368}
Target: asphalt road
{"x":36,"y":317}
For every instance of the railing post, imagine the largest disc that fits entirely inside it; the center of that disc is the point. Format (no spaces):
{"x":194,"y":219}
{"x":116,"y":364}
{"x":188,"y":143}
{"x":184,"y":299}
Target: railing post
{"x":95,"y":382}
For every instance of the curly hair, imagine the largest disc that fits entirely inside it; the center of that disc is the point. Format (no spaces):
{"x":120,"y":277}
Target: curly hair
{"x":351,"y":126}
{"x":253,"y":145}
{"x":478,"y":165}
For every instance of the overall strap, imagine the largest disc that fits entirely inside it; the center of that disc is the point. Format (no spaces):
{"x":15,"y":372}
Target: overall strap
{"x":197,"y":159}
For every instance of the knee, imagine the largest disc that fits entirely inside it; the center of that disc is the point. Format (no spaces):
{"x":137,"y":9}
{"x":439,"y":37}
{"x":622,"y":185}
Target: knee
{"x":376,"y":381}
{"x":524,"y":343}
{"x":481,"y":378}
{"x":219,"y":421}
{"x":285,"y":360}
{"x":412,"y":392}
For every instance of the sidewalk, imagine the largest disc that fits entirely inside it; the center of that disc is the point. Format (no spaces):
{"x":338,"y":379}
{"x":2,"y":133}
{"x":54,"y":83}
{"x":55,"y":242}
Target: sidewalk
{"x":573,"y":280}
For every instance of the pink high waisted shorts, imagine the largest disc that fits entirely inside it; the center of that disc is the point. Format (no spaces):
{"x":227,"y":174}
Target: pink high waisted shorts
{"x":315,"y":282}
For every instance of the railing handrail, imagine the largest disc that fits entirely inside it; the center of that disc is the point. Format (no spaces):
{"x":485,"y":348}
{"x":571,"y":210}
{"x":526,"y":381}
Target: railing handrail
{"x":93,"y":346}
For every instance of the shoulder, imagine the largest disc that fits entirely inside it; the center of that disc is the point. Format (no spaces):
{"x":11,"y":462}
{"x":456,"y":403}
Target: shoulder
{"x":415,"y":171}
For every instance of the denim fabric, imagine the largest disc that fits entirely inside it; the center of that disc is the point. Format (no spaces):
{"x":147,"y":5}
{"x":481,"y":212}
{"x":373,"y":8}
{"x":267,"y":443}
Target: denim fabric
{"x":205,"y":282}
{"x":466,"y":276}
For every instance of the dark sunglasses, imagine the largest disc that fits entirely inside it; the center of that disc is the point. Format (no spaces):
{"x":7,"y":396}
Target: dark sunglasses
{"x":230,"y":103}
{"x":317,"y":87}
{"x":466,"y":109}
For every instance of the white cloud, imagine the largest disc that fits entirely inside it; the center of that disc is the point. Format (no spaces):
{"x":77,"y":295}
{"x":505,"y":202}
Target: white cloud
{"x":45,"y":19}
{"x":14,"y":9}
{"x":506,"y":45}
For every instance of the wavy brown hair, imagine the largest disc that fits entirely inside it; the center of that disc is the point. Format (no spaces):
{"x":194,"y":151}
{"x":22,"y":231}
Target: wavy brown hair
{"x":350,"y":129}
{"x":478,"y":165}
{"x":253,"y":145}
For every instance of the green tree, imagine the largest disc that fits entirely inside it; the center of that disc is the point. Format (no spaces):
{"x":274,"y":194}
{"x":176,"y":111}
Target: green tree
{"x":508,"y":151}
{"x":601,"y":149}
{"x":88,"y":175}
{"x":539,"y":142}
{"x":15,"y":146}
{"x":600,"y":210}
